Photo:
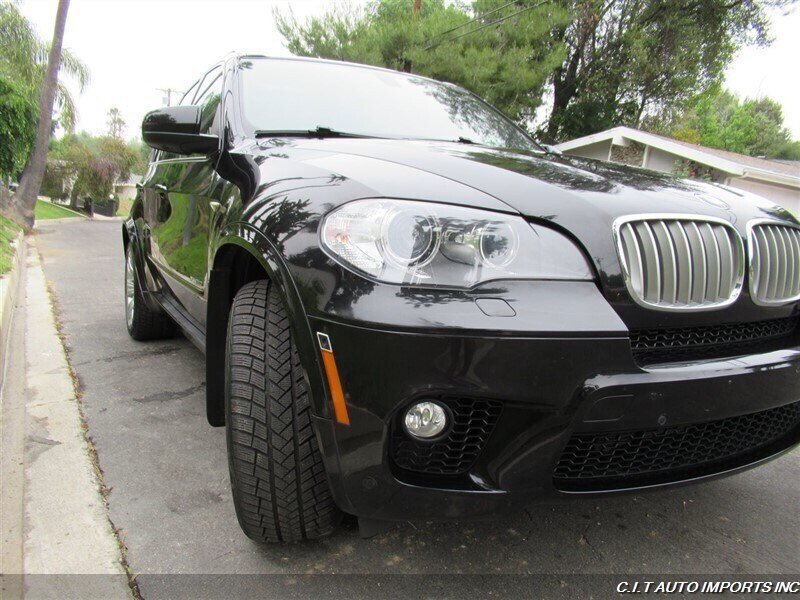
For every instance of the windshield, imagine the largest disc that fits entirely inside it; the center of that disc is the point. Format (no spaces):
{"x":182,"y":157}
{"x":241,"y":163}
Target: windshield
{"x":295,"y":96}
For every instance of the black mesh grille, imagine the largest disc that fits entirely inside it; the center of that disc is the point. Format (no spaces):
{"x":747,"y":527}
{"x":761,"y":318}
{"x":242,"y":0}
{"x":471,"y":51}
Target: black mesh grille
{"x":618,"y":460}
{"x":473,"y":422}
{"x":652,"y":346}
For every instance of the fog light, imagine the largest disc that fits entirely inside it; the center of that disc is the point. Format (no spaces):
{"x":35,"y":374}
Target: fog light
{"x":425,"y":420}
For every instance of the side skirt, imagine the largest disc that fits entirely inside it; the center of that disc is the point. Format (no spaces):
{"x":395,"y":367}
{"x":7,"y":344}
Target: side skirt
{"x":190,"y":329}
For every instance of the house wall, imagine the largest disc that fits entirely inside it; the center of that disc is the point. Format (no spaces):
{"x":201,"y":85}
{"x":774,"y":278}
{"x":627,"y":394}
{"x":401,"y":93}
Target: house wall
{"x":658,"y":160}
{"x":598,"y":150}
{"x":125,"y":192}
{"x":787,"y":197}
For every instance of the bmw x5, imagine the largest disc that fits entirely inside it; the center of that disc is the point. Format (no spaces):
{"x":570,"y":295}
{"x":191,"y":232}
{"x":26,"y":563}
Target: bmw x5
{"x":410,"y":310}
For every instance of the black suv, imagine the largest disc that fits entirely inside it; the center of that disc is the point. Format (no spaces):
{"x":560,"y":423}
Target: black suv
{"x":410,"y":310}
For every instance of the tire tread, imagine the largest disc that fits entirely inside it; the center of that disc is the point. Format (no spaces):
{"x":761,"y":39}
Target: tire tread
{"x":280,"y":488}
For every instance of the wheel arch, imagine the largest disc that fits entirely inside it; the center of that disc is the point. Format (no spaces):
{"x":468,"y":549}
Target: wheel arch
{"x":130,"y":235}
{"x":242,"y":255}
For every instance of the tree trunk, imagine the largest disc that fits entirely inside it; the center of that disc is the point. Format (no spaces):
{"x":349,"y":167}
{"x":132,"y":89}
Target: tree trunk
{"x":73,"y":199}
{"x":562,"y":94}
{"x":24,"y":201}
{"x":5,"y":196}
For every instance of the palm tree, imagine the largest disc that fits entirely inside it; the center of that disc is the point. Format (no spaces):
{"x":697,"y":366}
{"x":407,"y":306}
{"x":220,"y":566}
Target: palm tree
{"x":22,"y":59}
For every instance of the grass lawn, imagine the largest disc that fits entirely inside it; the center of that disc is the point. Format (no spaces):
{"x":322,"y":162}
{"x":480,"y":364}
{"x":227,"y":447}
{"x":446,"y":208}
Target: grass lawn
{"x":46,"y":210}
{"x":8,"y":233}
{"x":124,"y":209}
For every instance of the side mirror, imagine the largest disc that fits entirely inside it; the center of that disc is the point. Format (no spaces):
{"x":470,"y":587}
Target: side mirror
{"x":177,"y":129}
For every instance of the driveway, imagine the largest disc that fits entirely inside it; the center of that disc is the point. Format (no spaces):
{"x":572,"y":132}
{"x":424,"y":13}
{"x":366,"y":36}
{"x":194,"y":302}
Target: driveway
{"x":168,"y":475}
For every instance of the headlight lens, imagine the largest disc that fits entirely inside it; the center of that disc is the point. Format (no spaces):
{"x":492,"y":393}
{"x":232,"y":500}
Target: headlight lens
{"x":424,"y":243}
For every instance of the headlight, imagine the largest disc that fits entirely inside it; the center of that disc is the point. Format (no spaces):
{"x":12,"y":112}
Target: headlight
{"x":423,"y":243}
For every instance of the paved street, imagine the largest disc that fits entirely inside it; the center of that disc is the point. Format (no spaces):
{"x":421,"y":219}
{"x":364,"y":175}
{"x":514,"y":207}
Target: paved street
{"x":168,"y":475}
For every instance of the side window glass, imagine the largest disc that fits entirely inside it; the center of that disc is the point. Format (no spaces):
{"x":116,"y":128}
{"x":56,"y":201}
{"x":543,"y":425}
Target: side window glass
{"x":189,"y":95}
{"x":208,"y":100}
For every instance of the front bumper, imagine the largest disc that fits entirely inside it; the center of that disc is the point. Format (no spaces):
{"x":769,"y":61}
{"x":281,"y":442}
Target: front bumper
{"x":552,"y":385}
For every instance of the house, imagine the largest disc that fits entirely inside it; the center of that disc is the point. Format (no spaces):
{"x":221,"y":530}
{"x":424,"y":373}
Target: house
{"x":778,"y":181}
{"x":126,"y":190}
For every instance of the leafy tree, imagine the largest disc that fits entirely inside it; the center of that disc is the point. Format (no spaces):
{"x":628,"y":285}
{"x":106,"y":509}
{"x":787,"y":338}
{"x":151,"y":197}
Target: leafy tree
{"x":788,"y":151}
{"x":18,"y":118}
{"x":491,"y":47}
{"x":81,"y":166}
{"x":719,"y":119}
{"x":626,"y":58}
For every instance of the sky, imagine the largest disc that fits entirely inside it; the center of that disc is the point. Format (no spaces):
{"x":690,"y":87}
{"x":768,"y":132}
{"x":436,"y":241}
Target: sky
{"x":136,"y":48}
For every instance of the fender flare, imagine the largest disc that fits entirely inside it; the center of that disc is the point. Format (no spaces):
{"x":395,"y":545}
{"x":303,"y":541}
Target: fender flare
{"x":247,"y":238}
{"x":130,"y":235}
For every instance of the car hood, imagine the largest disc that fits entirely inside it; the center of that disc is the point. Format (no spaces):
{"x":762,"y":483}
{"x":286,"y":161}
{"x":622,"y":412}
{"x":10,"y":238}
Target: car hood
{"x":576,"y":193}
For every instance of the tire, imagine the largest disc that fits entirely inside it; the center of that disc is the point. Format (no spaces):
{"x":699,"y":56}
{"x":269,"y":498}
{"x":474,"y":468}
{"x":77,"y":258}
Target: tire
{"x":142,"y":322}
{"x":280,"y":488}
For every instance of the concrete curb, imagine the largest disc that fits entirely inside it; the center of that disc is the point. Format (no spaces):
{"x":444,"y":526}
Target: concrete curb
{"x":9,"y":292}
{"x":67,"y":527}
{"x":56,"y":530}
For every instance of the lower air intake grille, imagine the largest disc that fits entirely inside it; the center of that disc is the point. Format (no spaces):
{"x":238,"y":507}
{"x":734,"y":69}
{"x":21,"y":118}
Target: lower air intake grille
{"x":601,"y":461}
{"x":651,"y":346}
{"x":473,"y":423}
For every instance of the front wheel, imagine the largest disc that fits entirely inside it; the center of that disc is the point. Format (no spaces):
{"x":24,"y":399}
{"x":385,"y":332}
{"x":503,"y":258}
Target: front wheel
{"x":280,"y":488}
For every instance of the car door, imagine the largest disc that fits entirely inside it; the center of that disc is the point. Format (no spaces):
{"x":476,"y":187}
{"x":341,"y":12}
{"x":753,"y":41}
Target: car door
{"x":178,"y":192}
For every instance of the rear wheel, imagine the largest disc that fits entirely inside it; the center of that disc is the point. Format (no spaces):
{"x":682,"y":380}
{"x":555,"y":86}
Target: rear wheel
{"x":280,"y":489}
{"x":143,"y":323}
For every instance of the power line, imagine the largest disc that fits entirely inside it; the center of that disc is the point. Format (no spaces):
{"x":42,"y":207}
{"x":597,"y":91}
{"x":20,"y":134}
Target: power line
{"x":489,"y":24}
{"x":481,"y":16}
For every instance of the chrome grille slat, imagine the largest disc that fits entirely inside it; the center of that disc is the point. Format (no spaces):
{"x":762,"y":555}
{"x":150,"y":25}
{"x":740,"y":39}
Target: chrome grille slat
{"x":784,"y":249}
{"x":714,"y":263}
{"x":774,"y":262}
{"x":789,"y":254}
{"x":684,"y":252}
{"x":670,"y":287}
{"x":794,"y":258}
{"x":682,"y":263}
{"x":699,"y":258}
{"x":634,"y":258}
{"x":726,"y":272}
{"x":652,"y":273}
{"x":774,"y":267}
{"x":763,"y":255}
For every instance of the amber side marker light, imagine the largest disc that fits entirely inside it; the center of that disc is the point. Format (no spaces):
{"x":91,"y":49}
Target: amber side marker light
{"x":334,"y":383}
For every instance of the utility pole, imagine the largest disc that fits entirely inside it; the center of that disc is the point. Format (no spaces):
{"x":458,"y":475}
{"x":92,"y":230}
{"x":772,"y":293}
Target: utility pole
{"x":417,"y":7}
{"x":169,"y":92}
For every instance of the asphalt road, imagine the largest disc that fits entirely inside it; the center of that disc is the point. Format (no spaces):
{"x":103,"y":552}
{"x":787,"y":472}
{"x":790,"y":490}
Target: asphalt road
{"x":170,"y":497}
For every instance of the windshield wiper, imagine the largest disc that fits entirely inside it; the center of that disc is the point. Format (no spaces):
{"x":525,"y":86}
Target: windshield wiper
{"x":317,"y":132}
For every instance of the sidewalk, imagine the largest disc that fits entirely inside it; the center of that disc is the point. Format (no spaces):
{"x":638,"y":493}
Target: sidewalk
{"x":54,"y":518}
